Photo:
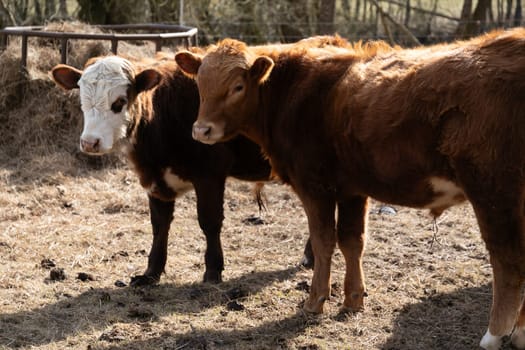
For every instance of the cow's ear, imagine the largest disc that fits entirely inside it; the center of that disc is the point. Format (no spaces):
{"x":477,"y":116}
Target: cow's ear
{"x":147,"y":79}
{"x":188,"y":62}
{"x":261,"y":68}
{"x":65,"y":76}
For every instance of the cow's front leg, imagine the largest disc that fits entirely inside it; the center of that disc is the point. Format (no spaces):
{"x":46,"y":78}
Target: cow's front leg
{"x":351,"y":237}
{"x":161,"y":214}
{"x":210,"y":197}
{"x":321,"y":223}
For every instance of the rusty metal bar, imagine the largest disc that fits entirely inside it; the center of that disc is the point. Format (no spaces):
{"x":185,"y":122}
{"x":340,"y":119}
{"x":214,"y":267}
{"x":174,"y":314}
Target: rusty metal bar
{"x":63,"y":50}
{"x":114,"y":46}
{"x":23,"y":58}
{"x":158,"y":45}
{"x":3,"y":41}
{"x":175,"y":32}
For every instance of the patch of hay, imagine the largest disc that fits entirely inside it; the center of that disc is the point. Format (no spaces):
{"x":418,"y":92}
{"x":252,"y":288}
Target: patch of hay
{"x":12,"y":79}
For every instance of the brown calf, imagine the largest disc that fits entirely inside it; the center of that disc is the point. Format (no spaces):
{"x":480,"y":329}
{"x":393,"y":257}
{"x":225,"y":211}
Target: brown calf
{"x":426,"y":127}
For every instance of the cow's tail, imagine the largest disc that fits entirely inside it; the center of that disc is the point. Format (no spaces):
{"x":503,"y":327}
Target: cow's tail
{"x":259,"y":195}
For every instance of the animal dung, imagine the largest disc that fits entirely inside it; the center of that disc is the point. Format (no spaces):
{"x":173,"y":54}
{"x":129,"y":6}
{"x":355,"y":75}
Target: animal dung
{"x":85,"y":277}
{"x":57,"y":274}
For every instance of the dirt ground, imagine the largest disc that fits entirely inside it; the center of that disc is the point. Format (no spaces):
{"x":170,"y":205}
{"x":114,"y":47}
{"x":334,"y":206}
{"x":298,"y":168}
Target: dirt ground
{"x":74,"y":230}
{"x":95,"y":221}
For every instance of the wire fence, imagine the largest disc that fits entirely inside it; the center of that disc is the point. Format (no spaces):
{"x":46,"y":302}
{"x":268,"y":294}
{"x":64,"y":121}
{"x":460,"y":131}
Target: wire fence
{"x":434,"y":31}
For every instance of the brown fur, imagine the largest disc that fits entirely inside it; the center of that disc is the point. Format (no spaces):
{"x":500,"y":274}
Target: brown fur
{"x":385,"y":122}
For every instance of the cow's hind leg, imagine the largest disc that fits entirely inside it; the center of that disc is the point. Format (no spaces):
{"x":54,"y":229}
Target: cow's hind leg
{"x":210,"y":212}
{"x":161,"y":214}
{"x":506,"y":290}
{"x":501,"y":225}
{"x":321,"y":223}
{"x":351,"y":236}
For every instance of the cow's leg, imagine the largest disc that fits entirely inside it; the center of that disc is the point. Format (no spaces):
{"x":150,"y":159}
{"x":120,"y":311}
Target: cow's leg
{"x":321,"y":223}
{"x":506,"y":289}
{"x":210,"y":197}
{"x":351,"y":236}
{"x":501,"y":226}
{"x":161,"y":214}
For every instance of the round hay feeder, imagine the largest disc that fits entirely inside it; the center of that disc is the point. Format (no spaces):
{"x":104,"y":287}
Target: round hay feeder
{"x":157,"y":33}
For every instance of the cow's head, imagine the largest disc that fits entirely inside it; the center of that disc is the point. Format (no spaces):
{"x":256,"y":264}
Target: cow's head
{"x":228,"y":77}
{"x":108,"y":87}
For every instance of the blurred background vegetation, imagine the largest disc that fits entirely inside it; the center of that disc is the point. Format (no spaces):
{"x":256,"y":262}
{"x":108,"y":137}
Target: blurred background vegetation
{"x":403,"y":22}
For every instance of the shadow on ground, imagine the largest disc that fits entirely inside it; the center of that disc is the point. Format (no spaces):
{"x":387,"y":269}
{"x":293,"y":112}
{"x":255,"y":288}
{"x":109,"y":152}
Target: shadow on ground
{"x":452,"y":321}
{"x":97,"y":308}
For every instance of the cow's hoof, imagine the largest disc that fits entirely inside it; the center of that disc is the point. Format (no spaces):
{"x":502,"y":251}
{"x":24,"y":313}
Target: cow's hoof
{"x":314,"y":306}
{"x":143,"y":280}
{"x":490,"y":342}
{"x":212,"y":277}
{"x":354,"y":302}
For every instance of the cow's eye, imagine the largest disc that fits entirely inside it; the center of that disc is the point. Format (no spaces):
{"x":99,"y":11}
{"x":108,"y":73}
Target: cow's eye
{"x":238,"y":88}
{"x":117,"y":106}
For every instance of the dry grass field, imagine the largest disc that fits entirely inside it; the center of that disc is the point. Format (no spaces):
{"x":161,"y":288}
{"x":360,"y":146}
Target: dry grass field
{"x":89,"y":217}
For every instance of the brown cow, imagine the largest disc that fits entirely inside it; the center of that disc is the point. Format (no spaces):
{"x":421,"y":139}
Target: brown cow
{"x":426,"y":128}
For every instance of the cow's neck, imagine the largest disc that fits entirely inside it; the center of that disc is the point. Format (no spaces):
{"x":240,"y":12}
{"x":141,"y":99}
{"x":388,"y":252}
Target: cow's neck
{"x":292,"y":116}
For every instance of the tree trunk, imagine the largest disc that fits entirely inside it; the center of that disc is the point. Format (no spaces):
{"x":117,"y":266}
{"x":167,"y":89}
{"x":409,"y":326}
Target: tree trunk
{"x":465,"y":18}
{"x":39,"y":18}
{"x":481,"y":13}
{"x":357,"y":8}
{"x":326,"y":17}
{"x":478,"y":23}
{"x":407,"y":14}
{"x":50,"y":7}
{"x":508,"y":13}
{"x":62,"y":9}
{"x":345,"y":5}
{"x":518,"y":14}
{"x":92,"y":11}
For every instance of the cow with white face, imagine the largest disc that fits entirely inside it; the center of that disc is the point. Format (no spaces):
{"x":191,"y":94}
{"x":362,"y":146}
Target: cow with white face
{"x":104,"y":96}
{"x":106,"y":88}
{"x":150,"y":106}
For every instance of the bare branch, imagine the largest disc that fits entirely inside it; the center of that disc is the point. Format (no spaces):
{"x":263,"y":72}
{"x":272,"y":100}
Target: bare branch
{"x":8,"y":14}
{"x":428,"y":12}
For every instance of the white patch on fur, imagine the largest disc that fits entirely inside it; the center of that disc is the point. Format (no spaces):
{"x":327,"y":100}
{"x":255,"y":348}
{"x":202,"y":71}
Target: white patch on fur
{"x":447,"y":194}
{"x":101,"y":84}
{"x":176,"y":183}
{"x":518,"y":338}
{"x":152,"y":189}
{"x":490,"y":342}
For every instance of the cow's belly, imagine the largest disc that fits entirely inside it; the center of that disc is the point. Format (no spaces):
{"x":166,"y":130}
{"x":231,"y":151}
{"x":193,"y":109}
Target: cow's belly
{"x":433,"y":193}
